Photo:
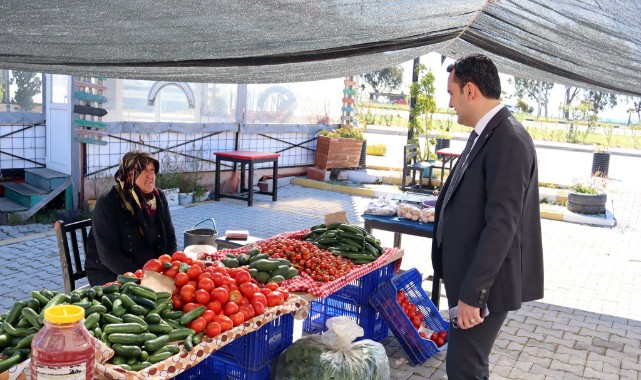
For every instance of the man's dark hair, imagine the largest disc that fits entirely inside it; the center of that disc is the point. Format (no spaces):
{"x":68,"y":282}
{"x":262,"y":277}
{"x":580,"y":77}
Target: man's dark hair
{"x":479,"y":70}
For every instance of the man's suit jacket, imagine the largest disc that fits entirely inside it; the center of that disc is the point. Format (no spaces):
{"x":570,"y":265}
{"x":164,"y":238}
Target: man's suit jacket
{"x":491,"y":251}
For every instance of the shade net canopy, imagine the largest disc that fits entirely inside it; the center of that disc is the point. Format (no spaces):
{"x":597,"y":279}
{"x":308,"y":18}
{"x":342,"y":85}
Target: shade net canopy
{"x":587,"y":43}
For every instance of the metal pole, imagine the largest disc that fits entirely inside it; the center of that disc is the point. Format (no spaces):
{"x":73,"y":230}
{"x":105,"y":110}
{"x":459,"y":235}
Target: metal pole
{"x":417,"y":61}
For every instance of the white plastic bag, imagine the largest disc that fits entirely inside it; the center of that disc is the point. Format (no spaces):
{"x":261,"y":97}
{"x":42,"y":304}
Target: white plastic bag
{"x":333,"y":355}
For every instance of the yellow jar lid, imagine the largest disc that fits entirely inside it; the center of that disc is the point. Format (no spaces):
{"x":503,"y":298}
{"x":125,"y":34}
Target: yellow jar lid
{"x":64,"y":314}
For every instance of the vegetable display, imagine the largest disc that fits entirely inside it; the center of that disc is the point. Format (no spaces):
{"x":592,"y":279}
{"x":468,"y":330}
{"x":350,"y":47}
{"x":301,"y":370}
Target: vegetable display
{"x":346,"y":240}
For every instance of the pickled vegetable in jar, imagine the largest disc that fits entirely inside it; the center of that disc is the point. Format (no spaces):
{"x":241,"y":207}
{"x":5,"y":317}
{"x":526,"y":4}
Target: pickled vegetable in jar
{"x":63,"y":348}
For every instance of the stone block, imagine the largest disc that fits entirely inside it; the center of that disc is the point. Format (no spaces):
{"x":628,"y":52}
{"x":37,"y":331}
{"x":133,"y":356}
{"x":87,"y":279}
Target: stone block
{"x":318,"y":174}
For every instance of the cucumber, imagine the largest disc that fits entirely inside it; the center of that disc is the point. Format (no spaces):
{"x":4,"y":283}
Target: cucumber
{"x":88,"y":292}
{"x":98,"y":290}
{"x":127,"y":352}
{"x":155,"y":358}
{"x":91,"y":320}
{"x":111,"y":288}
{"x":33,"y":304}
{"x":142,"y":301}
{"x":125,"y":366}
{"x":139,"y":366}
{"x":106,"y":302}
{"x":128,"y":328}
{"x":131,"y":339}
{"x":130,"y":318}
{"x":153,"y":319}
{"x":117,"y":360}
{"x":24,"y":323}
{"x":155,"y":344}
{"x":95,"y":309}
{"x":188,"y":344}
{"x":198,"y":338}
{"x":351,"y":228}
{"x":126,"y":279}
{"x":48,"y":294}
{"x":42,"y":300}
{"x":144,"y":292}
{"x":163,"y":295}
{"x":17,"y":332}
{"x":31,"y":316}
{"x":127,"y":302}
{"x":138,"y":310}
{"x":180,"y":334}
{"x":162,"y":306}
{"x":171,"y":314}
{"x":26,"y":341}
{"x":191,"y":315}
{"x":15,"y":312}
{"x":5,"y":340}
{"x":108,"y":318}
{"x":8,"y":363}
{"x":160,"y":329}
{"x":173,"y":323}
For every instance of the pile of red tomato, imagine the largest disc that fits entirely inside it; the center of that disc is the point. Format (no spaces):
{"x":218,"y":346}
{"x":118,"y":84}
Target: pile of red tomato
{"x":230,"y":295}
{"x":322,"y":266}
{"x":416,"y":317}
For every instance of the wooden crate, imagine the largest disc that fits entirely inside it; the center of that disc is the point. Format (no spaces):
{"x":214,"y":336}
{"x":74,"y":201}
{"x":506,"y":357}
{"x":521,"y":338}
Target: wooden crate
{"x":332,"y":153}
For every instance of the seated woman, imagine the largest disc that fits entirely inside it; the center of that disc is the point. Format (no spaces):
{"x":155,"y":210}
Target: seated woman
{"x":130,"y":223}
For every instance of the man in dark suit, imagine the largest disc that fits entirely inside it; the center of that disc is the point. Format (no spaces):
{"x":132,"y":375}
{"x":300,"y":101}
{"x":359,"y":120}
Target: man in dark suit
{"x":487,"y":245}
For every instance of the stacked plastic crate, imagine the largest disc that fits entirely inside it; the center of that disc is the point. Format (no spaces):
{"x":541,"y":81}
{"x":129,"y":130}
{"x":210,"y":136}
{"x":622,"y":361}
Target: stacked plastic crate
{"x":248,"y":357}
{"x":352,"y":301}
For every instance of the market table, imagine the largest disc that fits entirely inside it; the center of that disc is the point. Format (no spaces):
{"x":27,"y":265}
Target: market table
{"x":447,"y":156}
{"x":399,"y":226}
{"x":249,"y":159}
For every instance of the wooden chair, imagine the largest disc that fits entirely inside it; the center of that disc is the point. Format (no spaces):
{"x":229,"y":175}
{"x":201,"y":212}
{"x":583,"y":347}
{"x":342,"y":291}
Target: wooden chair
{"x":411,"y":165}
{"x":72,"y":270}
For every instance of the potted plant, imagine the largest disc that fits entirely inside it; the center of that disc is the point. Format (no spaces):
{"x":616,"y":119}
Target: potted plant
{"x":340,"y":148}
{"x":588,"y":196}
{"x":201,"y":194}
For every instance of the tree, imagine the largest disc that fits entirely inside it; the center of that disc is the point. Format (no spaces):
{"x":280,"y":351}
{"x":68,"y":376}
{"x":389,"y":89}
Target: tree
{"x":570,"y":94}
{"x":535,"y":90}
{"x":28,"y":86}
{"x":384,"y":80}
{"x":422,"y":112}
{"x":1,"y":91}
{"x":600,"y":100}
{"x":637,"y":108}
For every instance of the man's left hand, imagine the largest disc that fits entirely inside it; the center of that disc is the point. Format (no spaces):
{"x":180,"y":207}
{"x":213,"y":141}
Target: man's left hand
{"x":468,"y":316}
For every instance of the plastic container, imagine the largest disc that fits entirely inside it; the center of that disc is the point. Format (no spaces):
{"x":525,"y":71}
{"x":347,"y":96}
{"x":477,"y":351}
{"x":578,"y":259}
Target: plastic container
{"x":258,"y":348}
{"x":214,"y":368}
{"x":63,"y":348}
{"x":322,"y":309}
{"x":360,"y":289}
{"x":418,"y":349}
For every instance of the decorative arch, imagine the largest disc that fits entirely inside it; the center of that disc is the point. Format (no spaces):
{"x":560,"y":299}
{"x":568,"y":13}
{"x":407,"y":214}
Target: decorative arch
{"x":157,"y":86}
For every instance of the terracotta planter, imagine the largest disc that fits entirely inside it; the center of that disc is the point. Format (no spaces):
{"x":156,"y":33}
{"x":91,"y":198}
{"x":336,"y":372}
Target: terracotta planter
{"x":335,"y":153}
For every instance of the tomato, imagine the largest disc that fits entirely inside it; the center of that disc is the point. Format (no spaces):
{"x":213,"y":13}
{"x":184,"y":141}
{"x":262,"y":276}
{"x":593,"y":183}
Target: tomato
{"x":204,"y":275}
{"x":206,"y":284}
{"x":235,"y":295}
{"x":199,"y":324}
{"x":199,"y":263}
{"x":244,"y":301}
{"x":179,"y":256}
{"x":237,"y":318}
{"x":285,"y":293}
{"x":248,"y":289}
{"x":202,"y":296}
{"x":208,"y":315}
{"x":248,"y":311}
{"x":164,"y":259}
{"x":265,"y":291}
{"x":258,"y":297}
{"x":217,"y":278}
{"x":188,"y":293}
{"x":231,"y":308}
{"x":189,"y":307}
{"x":181,"y":279}
{"x":171,"y":272}
{"x":130,"y":274}
{"x":416,"y":321}
{"x":220,"y":294}
{"x":194,"y":271}
{"x":275,"y":298}
{"x":242,"y":276}
{"x":176,"y":302}
{"x":423,"y":335}
{"x":224,"y":322}
{"x":272,"y":286}
{"x":434,"y":336}
{"x":220,"y":269}
{"x":442,"y":334}
{"x":259,"y":307}
{"x":192,"y":283}
{"x":439,"y":342}
{"x":215,"y":306}
{"x":138,"y":273}
{"x":213,"y":329}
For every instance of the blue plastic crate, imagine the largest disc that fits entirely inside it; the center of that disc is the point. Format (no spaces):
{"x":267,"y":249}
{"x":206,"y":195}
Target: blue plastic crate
{"x":383,"y":299}
{"x":257,"y":349}
{"x":360,"y":289}
{"x":223,"y":369}
{"x":366,"y":316}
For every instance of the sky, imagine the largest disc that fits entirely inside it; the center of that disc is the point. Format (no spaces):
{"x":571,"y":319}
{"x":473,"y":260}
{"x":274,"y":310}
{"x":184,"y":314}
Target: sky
{"x":433,"y":61}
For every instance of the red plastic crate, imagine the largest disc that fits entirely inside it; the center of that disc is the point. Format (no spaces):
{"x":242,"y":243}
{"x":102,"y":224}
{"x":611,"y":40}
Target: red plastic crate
{"x":366,"y":316}
{"x":223,"y":369}
{"x":257,"y":349}
{"x":383,"y":299}
{"x":359,"y":290}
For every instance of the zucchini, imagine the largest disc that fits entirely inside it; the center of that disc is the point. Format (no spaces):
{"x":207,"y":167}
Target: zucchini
{"x":128,"y":328}
{"x":127,"y":352}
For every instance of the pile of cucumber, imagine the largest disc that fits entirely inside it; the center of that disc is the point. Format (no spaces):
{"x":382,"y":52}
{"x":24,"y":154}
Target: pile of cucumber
{"x":137,"y":322}
{"x":261,"y":267}
{"x":346,"y":240}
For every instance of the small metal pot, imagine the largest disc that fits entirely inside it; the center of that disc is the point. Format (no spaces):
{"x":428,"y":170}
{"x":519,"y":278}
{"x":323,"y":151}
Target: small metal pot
{"x":201,"y":236}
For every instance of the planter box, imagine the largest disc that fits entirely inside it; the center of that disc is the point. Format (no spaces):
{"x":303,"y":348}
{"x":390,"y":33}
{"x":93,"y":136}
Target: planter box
{"x":334,"y":153}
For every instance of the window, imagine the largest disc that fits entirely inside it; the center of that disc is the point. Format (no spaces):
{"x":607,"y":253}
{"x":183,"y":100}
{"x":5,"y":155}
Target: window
{"x":21,"y":91}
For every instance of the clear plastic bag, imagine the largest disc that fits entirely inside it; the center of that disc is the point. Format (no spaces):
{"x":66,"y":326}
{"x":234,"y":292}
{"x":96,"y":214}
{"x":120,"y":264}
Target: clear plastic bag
{"x":333,"y":355}
{"x":381,"y":206}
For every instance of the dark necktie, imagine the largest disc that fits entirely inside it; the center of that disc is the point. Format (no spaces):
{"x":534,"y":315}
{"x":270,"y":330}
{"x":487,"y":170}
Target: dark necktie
{"x":456,"y":177}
